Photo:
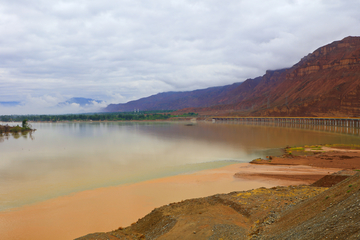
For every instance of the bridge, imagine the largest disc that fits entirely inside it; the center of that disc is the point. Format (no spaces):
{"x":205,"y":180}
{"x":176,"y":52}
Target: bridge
{"x":326,"y":121}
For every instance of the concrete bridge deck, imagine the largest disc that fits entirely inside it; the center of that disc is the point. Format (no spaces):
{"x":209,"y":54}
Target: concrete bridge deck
{"x":328,"y":121}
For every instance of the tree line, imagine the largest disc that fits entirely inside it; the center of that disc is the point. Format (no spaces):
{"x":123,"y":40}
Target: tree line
{"x":129,"y":116}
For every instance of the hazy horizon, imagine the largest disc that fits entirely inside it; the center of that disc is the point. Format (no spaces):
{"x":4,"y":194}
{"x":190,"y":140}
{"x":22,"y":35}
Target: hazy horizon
{"x":52,"y":51}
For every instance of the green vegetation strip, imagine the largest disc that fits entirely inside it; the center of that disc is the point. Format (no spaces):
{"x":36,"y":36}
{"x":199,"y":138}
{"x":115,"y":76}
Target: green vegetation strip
{"x":125,"y":116}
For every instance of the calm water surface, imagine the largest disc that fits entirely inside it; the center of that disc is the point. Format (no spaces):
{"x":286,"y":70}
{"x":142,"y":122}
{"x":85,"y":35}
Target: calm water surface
{"x":62,"y":158}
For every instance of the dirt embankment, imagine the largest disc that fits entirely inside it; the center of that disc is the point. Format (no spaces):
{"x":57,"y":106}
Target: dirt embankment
{"x":229,"y":216}
{"x":293,"y":212}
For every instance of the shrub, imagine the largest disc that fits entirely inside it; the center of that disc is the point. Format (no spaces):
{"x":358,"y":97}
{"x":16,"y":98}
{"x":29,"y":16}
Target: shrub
{"x":16,"y":129}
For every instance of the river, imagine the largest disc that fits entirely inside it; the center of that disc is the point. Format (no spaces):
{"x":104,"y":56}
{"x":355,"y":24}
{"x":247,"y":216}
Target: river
{"x":63,"y":158}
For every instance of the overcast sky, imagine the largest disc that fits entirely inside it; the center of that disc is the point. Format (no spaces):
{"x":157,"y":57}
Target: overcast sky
{"x":122,"y":50}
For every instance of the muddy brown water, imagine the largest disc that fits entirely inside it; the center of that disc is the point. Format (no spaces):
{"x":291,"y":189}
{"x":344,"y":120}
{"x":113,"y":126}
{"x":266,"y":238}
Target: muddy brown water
{"x":63,"y":158}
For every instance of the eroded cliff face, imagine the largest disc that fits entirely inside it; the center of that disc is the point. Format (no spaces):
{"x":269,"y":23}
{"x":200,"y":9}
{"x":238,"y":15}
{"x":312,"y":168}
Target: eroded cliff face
{"x":324,"y":83}
{"x":350,"y":103}
{"x":338,"y":55}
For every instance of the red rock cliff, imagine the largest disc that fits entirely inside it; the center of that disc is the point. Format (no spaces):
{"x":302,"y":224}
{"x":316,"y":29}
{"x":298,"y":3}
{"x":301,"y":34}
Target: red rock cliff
{"x":324,"y":83}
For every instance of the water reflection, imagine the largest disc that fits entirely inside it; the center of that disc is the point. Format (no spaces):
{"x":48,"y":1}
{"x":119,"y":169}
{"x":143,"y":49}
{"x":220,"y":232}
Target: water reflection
{"x":349,"y":130}
{"x":255,"y":136}
{"x":16,"y":135}
{"x":70,"y":157}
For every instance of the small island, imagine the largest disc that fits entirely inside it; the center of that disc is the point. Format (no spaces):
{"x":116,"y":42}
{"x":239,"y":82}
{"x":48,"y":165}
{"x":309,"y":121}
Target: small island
{"x":25,"y":128}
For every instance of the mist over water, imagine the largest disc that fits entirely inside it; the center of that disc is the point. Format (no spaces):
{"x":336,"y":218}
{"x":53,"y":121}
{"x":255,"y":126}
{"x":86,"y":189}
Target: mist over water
{"x":62,"y":158}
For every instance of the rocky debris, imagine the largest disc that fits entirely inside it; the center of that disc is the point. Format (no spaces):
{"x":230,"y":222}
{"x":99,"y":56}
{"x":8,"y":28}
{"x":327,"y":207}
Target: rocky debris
{"x":333,"y":214}
{"x":230,"y":232}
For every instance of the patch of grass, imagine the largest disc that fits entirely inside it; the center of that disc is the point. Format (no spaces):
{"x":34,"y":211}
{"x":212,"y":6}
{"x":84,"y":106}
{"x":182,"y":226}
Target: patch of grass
{"x":350,"y":186}
{"x":327,"y":197}
{"x":16,"y":129}
{"x":316,"y":148}
{"x":297,"y":149}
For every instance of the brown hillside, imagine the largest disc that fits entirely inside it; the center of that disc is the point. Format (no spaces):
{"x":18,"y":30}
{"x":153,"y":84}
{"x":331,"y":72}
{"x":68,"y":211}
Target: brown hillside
{"x":324,"y":83}
{"x":223,"y":216}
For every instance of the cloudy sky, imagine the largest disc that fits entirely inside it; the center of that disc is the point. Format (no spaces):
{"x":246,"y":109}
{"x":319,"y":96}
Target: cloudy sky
{"x":117,"y":51}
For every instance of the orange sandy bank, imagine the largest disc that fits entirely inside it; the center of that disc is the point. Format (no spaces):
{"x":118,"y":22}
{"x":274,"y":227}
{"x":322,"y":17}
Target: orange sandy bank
{"x":106,"y":209}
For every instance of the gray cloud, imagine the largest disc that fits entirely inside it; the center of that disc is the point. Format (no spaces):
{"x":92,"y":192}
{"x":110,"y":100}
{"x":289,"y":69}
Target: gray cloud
{"x":123,"y":50}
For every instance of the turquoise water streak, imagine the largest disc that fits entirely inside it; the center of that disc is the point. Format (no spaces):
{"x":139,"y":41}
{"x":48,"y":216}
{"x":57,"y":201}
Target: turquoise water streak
{"x":62,"y":158}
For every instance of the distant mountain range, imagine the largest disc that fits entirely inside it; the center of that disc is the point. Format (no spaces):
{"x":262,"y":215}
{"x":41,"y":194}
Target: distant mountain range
{"x":324,"y":83}
{"x":198,"y":98}
{"x":177,"y":100}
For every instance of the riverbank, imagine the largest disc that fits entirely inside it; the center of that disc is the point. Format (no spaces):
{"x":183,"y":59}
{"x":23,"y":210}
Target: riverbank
{"x":334,"y":156}
{"x":109,"y":208}
{"x":294,"y":212}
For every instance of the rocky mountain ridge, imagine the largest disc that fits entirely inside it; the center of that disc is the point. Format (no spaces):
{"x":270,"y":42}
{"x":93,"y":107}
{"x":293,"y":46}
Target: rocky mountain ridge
{"x":323,"y":83}
{"x":178,"y":100}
